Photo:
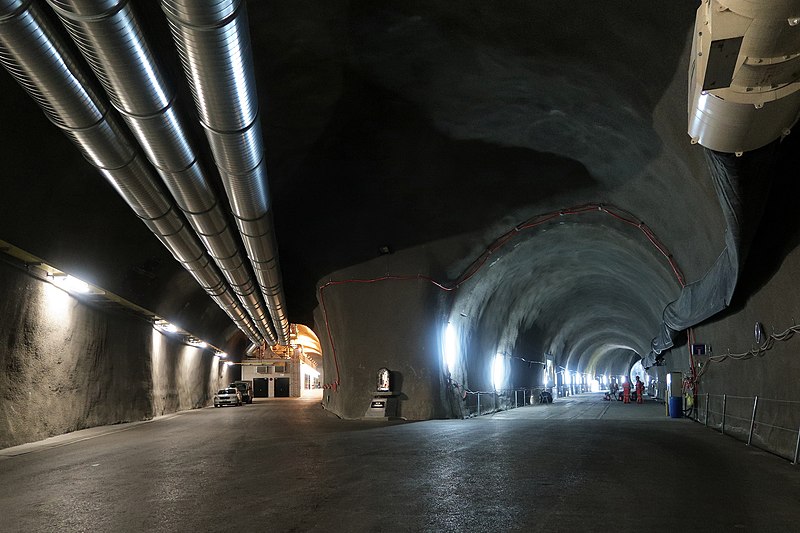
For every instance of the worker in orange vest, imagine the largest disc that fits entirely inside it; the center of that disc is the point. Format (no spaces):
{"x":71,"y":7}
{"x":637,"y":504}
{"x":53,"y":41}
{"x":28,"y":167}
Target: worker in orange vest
{"x":626,"y":391}
{"x":639,"y":390}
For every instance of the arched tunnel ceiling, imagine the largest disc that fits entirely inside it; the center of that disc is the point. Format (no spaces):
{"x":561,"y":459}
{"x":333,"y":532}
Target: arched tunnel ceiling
{"x":589,"y":289}
{"x":402,"y":123}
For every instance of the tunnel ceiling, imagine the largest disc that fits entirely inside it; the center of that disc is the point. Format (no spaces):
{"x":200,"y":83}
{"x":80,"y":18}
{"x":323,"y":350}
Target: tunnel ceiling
{"x":401,"y":123}
{"x":589,"y":288}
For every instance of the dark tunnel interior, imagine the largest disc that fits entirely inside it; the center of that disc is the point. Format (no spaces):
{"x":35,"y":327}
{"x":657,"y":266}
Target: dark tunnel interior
{"x":402,"y":139}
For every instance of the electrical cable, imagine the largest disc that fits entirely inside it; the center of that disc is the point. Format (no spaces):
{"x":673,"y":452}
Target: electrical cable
{"x":760,"y":351}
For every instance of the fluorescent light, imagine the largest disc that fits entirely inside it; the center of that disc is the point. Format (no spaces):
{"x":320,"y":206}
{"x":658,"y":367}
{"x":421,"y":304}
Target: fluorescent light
{"x":498,"y":371}
{"x":163,"y":325}
{"x":450,"y":347}
{"x":71,"y":284}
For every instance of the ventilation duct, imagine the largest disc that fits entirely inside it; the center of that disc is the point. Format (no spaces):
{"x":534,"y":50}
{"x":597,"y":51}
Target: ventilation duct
{"x":214,"y":44}
{"x":32,"y":52}
{"x":744,"y":75}
{"x":111,"y":40}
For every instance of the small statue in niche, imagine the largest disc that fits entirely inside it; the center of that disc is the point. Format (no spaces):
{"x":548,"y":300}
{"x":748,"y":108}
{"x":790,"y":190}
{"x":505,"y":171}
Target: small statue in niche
{"x":383,"y":380}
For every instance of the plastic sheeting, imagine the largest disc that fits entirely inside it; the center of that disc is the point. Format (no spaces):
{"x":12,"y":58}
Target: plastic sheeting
{"x":742,"y":185}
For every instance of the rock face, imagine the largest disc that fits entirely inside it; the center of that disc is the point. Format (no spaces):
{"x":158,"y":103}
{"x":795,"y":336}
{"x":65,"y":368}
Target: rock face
{"x":67,"y":366}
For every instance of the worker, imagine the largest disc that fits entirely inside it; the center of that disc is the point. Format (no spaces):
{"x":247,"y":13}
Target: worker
{"x":626,"y":391}
{"x":639,"y":390}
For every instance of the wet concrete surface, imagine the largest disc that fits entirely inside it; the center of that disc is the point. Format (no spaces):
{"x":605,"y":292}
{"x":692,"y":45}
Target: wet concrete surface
{"x":580,"y":464}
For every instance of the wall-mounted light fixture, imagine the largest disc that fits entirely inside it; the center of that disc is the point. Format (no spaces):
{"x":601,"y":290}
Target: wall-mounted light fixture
{"x":194,"y":341}
{"x":163,"y":325}
{"x":758,"y":333}
{"x":69,"y":283}
{"x":451,"y":348}
{"x":498,"y":371}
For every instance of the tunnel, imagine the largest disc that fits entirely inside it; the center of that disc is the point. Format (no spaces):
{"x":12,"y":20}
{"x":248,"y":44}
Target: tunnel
{"x":486,"y":201}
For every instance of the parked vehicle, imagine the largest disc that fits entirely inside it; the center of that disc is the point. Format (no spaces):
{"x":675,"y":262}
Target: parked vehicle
{"x":246,"y":388}
{"x":229,"y":396}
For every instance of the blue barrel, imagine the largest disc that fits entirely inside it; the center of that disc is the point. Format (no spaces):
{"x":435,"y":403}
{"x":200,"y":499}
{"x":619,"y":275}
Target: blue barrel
{"x":676,"y":407}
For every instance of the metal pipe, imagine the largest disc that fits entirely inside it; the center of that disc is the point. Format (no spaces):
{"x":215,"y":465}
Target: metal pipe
{"x":752,"y":421}
{"x":35,"y":55}
{"x":796,"y":447}
{"x":708,"y":399}
{"x":214,"y":44}
{"x":479,"y":403}
{"x":724,"y":403}
{"x":110,"y":37}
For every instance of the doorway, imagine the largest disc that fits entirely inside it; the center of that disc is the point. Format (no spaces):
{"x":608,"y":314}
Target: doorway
{"x":260,"y":388}
{"x":281,"y":387}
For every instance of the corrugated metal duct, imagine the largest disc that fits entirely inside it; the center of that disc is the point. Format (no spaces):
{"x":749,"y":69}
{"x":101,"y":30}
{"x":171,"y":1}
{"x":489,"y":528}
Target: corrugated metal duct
{"x":111,"y":40}
{"x":35,"y":56}
{"x":214,"y":44}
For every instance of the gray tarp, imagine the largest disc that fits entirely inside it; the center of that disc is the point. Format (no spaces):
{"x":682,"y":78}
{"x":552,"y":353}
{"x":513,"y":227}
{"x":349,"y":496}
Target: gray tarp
{"x":742,"y":185}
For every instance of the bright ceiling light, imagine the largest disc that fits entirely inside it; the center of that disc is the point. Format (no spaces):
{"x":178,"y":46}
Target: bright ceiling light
{"x":450,"y":347}
{"x":498,"y":371}
{"x":71,"y":284}
{"x":223,"y":355}
{"x":163,"y":325}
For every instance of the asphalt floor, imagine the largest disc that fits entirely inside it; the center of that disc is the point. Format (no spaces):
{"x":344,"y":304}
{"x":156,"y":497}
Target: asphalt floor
{"x":579,"y":464}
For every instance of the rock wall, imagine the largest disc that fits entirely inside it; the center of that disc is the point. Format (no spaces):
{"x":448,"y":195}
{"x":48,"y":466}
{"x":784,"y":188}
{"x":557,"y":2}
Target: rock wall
{"x":68,"y":366}
{"x":390,"y":323}
{"x":770,"y":374}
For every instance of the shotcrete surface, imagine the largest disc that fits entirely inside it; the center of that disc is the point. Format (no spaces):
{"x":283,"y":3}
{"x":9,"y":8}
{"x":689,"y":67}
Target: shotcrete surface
{"x":68,"y":366}
{"x":579,"y":464}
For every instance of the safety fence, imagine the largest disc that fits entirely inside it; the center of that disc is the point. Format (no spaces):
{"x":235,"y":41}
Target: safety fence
{"x":477,"y":403}
{"x":769,"y":424}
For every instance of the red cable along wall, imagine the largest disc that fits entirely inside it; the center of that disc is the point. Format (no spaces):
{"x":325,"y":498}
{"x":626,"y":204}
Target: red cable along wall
{"x":474,"y":267}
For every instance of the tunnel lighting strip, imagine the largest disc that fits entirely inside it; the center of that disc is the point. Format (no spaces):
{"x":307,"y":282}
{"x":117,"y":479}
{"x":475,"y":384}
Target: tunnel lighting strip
{"x":89,"y":294}
{"x":474,"y":267}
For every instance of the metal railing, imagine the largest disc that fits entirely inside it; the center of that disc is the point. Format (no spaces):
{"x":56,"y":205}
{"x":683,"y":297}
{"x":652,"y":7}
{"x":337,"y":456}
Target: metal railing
{"x":759,"y":422}
{"x":478,"y":403}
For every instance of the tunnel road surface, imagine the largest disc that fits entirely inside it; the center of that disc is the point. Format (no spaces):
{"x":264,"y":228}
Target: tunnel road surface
{"x":579,"y":464}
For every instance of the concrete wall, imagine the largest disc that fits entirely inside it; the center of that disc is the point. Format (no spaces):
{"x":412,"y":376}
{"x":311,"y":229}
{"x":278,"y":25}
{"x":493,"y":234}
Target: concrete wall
{"x":393,"y":324}
{"x":68,"y":366}
{"x":772,"y":375}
